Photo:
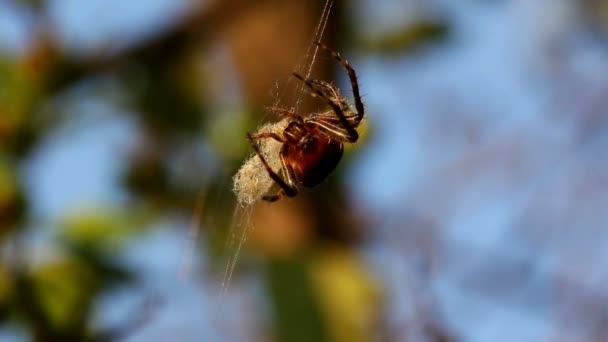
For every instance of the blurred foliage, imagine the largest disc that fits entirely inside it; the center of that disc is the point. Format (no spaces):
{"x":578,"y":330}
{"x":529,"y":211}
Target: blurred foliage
{"x":351,"y":306}
{"x":407,"y":38}
{"x":55,"y":298}
{"x":12,"y":204}
{"x":224,"y":131}
{"x":297,"y":318}
{"x":104,"y":231}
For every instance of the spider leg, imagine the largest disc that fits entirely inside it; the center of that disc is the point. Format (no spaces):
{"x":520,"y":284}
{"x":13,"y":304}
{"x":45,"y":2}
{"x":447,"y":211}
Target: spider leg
{"x":289,"y":173}
{"x":288,"y":189}
{"x":331,"y":90}
{"x":286,"y":112}
{"x":273,"y":198}
{"x":330,"y":117}
{"x":352,"y":75}
{"x":265,"y":135}
{"x":352,"y":133}
{"x":334,"y":94}
{"x":333,"y":130}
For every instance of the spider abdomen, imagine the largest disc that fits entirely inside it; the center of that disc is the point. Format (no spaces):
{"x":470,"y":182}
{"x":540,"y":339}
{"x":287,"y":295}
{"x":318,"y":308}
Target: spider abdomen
{"x":311,"y":165}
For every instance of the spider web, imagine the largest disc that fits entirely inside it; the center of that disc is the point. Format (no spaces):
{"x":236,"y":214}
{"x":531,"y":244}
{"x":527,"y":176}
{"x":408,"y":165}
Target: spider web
{"x":240,"y":224}
{"x":241,"y":220}
{"x":311,"y":54}
{"x":252,"y":182}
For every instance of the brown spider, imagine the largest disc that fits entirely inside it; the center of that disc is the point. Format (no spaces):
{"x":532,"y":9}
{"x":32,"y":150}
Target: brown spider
{"x":312,"y":145}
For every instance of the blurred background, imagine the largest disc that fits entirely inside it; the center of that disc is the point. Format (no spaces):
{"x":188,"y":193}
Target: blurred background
{"x":473,"y":208}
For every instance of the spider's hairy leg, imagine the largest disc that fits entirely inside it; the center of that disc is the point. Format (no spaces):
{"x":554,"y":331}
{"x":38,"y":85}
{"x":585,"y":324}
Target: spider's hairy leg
{"x":273,"y":198}
{"x":352,"y":133}
{"x":265,"y":135}
{"x":331,"y":129}
{"x":286,"y":112}
{"x":333,"y":93}
{"x":329,"y":89}
{"x":352,"y":75}
{"x":289,"y":173}
{"x":288,"y":189}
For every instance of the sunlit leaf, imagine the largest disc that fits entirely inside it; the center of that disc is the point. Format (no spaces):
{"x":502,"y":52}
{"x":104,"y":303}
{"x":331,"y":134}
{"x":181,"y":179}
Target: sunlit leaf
{"x":100,"y":229}
{"x":6,"y":284}
{"x":11,"y":199}
{"x":349,"y":296}
{"x":66,"y":289}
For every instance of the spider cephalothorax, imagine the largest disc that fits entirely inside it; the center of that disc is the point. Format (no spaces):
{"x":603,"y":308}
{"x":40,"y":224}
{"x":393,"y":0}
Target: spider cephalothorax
{"x":312,"y":145}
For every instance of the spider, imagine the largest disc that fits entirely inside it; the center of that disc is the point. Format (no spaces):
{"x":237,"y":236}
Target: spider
{"x":313,"y":145}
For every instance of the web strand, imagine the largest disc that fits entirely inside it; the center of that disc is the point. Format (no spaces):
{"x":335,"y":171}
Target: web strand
{"x":193,"y":234}
{"x":241,"y":220}
{"x":319,"y":32}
